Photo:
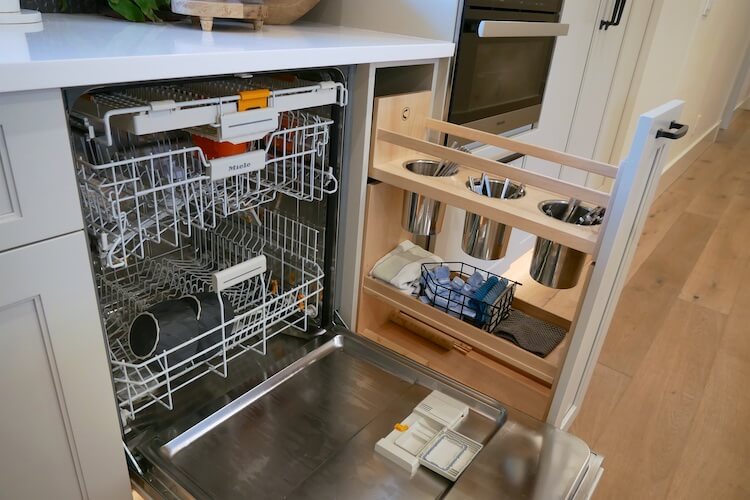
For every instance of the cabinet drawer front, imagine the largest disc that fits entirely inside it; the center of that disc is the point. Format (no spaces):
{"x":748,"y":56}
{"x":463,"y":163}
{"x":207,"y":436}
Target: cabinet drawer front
{"x":38,"y":196}
{"x":60,"y":436}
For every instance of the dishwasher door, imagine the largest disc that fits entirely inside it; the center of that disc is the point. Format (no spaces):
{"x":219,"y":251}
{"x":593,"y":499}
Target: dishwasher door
{"x":308,"y":430}
{"x":530,"y":459}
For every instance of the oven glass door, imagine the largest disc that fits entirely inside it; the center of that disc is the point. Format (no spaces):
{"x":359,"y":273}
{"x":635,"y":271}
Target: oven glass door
{"x":497,"y":76}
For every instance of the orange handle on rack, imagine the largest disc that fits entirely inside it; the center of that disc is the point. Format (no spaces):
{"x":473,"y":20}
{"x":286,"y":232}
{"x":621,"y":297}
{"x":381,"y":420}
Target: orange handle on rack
{"x":253,"y":99}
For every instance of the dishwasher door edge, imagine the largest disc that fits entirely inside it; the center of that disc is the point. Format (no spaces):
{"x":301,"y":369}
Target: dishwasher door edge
{"x":591,"y":478}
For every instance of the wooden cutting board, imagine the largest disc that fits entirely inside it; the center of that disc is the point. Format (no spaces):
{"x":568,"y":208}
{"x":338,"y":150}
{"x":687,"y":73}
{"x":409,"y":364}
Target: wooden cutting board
{"x":204,"y":11}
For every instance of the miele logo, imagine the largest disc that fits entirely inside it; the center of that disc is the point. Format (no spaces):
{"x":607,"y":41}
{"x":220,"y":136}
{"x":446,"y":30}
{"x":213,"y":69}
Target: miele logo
{"x":240,"y":166}
{"x":222,"y":168}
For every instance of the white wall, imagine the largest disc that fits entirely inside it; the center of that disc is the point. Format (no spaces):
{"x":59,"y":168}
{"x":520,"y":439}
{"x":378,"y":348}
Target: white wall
{"x":423,"y":18}
{"x":691,"y":57}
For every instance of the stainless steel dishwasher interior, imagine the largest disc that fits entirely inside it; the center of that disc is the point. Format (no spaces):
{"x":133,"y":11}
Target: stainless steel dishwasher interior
{"x":306,"y":419}
{"x":309,"y":431}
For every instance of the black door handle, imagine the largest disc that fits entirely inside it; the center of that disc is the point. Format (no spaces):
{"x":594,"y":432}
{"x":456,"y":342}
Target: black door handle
{"x":679,"y":131}
{"x":617,"y":11}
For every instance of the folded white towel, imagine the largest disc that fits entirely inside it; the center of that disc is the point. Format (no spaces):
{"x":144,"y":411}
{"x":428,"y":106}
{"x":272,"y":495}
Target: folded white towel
{"x":401,"y":267}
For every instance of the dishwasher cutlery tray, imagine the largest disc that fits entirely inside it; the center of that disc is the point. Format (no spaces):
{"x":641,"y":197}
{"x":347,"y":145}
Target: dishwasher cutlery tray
{"x":234,"y":109}
{"x":286,"y":294}
{"x":157,"y":187}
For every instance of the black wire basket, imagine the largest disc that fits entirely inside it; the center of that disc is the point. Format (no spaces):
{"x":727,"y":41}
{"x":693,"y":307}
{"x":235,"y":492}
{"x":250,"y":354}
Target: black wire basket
{"x":484,"y":306}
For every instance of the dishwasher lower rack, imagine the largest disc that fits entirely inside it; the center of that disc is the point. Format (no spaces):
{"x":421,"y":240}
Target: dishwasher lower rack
{"x":287,"y":294}
{"x":158,"y":187}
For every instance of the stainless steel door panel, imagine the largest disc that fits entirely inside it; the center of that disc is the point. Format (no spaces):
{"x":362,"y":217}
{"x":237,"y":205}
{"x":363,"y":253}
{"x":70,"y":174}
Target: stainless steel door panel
{"x":313,"y":433}
{"x":525,"y":459}
{"x":309,"y":431}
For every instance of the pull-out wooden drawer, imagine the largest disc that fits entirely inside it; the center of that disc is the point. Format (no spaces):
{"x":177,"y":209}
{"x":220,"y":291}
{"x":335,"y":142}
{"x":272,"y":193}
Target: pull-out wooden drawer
{"x":478,"y":359}
{"x":604,"y":234}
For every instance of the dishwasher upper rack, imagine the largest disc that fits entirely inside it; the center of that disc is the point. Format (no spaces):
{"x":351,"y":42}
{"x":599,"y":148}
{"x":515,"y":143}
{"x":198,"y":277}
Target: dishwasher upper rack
{"x":286,"y":294}
{"x":156,"y":187}
{"x":147,"y":189}
{"x":235,"y":110}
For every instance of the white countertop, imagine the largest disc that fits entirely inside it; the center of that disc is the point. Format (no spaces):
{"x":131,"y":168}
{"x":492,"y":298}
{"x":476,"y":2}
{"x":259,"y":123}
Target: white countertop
{"x":74,"y":50}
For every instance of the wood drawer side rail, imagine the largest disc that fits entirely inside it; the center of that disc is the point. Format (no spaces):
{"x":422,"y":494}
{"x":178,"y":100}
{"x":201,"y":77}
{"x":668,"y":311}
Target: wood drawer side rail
{"x":570,"y":160}
{"x":564,"y":188}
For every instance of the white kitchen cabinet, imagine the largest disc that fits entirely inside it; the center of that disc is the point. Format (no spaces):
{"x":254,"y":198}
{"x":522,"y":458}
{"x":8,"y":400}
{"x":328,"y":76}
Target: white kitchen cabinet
{"x":60,"y":436}
{"x":38,"y":195}
{"x":604,"y":88}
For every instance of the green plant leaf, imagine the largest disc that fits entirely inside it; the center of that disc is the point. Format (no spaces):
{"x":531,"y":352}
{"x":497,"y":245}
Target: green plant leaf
{"x":127,"y":9}
{"x":149,"y":8}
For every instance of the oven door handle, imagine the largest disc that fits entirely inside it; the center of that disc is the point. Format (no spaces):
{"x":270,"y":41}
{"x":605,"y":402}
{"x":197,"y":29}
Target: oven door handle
{"x":511,"y":29}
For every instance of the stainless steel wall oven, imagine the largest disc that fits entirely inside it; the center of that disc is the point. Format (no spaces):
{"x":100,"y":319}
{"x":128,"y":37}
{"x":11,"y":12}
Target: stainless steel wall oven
{"x":504,"y":53}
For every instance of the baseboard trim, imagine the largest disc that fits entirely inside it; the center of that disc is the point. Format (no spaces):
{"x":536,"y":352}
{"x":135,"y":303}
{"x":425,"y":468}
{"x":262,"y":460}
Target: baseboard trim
{"x":679,"y":165}
{"x":742,"y":104}
{"x":726,"y":121}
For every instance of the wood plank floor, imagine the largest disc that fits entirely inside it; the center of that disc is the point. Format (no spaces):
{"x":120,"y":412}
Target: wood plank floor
{"x":669,"y":405}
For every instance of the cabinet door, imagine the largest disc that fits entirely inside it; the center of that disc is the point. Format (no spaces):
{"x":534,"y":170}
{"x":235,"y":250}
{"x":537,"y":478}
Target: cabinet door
{"x":38,"y":196}
{"x":604,"y":90}
{"x":59,"y":434}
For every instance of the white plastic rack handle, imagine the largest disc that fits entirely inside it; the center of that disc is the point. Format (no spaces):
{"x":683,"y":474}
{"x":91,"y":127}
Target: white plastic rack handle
{"x":248,"y":125}
{"x":237,"y":274}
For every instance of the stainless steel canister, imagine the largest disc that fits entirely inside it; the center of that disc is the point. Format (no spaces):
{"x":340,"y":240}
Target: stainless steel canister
{"x":422,"y":216}
{"x":553,"y":264}
{"x":484,"y":238}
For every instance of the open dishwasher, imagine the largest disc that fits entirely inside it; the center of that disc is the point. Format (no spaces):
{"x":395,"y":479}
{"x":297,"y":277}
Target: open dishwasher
{"x":211,"y":207}
{"x":206,"y":186}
